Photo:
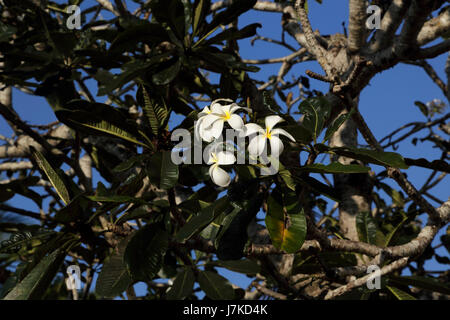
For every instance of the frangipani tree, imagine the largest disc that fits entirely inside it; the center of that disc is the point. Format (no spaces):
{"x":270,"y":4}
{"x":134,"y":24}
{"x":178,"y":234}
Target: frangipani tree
{"x":112,"y":201}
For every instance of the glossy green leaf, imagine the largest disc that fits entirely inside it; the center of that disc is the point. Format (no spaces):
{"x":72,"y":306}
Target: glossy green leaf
{"x":145,"y":251}
{"x":54,"y":178}
{"x":202,"y":219}
{"x":399,"y":294}
{"x":337,"y":124}
{"x":182,"y":285}
{"x":391,"y":159}
{"x":215,"y":286}
{"x":114,"y":277}
{"x":315,"y":110}
{"x":162,"y":171}
{"x":285,"y":221}
{"x":33,"y":286}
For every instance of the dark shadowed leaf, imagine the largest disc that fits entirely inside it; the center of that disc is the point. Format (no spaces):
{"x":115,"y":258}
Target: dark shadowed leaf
{"x":114,"y":277}
{"x":34,"y":285}
{"x":215,"y":286}
{"x":162,"y":171}
{"x":336,"y":167}
{"x":182,"y":285}
{"x":202,"y":219}
{"x":145,"y":251}
{"x":427,"y":283}
{"x":56,"y":181}
{"x":245,"y":266}
{"x":367,"y":228}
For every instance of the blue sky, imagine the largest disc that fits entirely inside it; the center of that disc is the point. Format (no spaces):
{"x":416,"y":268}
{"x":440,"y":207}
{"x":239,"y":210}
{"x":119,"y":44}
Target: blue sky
{"x":386,"y":104}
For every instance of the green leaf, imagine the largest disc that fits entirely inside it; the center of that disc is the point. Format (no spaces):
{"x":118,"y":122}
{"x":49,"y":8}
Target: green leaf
{"x":56,"y":181}
{"x":145,"y":251}
{"x":423,"y":108}
{"x":33,"y":286}
{"x":316,"y":110}
{"x":155,"y":111}
{"x":287,"y":178}
{"x":245,"y":266}
{"x":337,"y":124}
{"x":114,"y":277}
{"x":367,"y":228}
{"x":202,"y":219}
{"x":399,"y":294}
{"x":390,"y":159}
{"x":170,"y":70}
{"x":137,"y":31}
{"x":162,"y":171}
{"x":233,"y":34}
{"x":215,"y":286}
{"x":397,"y":197}
{"x":72,"y":211}
{"x":202,"y":8}
{"x":171,"y":12}
{"x":231,"y":13}
{"x":98,"y":118}
{"x":128,"y":164}
{"x":336,"y":167}
{"x":285,"y":221}
{"x":116,"y":199}
{"x":182,"y":285}
{"x":394,"y":231}
{"x":421,"y":282}
{"x":231,"y":240}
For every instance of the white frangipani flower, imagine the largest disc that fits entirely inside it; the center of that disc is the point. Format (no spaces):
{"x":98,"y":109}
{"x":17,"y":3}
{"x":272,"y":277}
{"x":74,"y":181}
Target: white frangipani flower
{"x":199,"y":127}
{"x":217,"y":174}
{"x":211,"y":126}
{"x":258,"y":143}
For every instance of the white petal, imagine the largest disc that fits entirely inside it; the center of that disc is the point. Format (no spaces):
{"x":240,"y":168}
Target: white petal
{"x":217,"y":128}
{"x":219,"y":176}
{"x":197,"y":128}
{"x":271,"y":121}
{"x":236,"y":122}
{"x":209,"y":120}
{"x":257,"y":145}
{"x":205,"y":134}
{"x":276,"y":146}
{"x":251,"y":128}
{"x":283,"y":132}
{"x":227,"y":108}
{"x":217,"y":108}
{"x":236,"y":108}
{"x":204,"y":112}
{"x":211,"y":159}
{"x":224,"y":157}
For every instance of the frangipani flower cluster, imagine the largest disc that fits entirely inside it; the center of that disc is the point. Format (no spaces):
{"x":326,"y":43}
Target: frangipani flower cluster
{"x":209,"y":128}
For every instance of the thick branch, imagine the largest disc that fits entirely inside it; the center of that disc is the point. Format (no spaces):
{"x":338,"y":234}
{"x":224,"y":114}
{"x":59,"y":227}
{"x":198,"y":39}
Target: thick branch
{"x":356,"y":26}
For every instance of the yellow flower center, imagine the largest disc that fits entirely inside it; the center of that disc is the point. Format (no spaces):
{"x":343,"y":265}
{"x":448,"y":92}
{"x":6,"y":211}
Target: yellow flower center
{"x":268,"y":134}
{"x":214,"y":157}
{"x":227,"y":116}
